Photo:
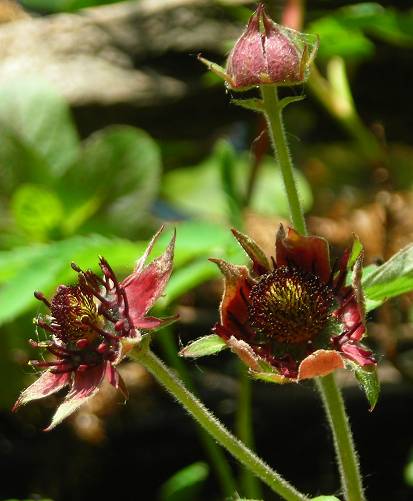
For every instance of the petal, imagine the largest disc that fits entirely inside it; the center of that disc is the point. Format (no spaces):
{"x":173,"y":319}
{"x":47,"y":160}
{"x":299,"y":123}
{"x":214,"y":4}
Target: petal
{"x":234,"y":305}
{"x":320,"y":363}
{"x":154,"y":323}
{"x":47,"y":384}
{"x":245,"y":353}
{"x":358,"y":354}
{"x":115,"y":379}
{"x":85,"y":385}
{"x":259,"y":260}
{"x":307,"y":253}
{"x":145,"y":285}
{"x":141,"y":261}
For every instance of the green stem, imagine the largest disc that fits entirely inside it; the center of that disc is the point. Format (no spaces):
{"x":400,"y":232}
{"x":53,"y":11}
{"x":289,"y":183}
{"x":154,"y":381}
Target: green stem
{"x":216,"y":456}
{"x":210,"y":423}
{"x":343,"y":439}
{"x":273,"y":114}
{"x":251,"y":487}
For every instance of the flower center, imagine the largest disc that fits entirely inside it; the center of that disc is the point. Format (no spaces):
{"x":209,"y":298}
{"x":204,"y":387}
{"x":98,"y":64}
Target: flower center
{"x":74,"y":310}
{"x":289,"y":306}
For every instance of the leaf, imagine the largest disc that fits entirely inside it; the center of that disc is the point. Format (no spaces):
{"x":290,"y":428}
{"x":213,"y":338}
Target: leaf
{"x":117,"y":175}
{"x":253,"y":104}
{"x":207,"y":345}
{"x":367,"y":377}
{"x":33,"y":111}
{"x":391,"y":279}
{"x":48,"y":265}
{"x":185,"y":484}
{"x":36,"y":210}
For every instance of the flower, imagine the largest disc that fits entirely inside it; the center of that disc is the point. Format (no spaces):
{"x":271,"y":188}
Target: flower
{"x":91,"y":327}
{"x":293,"y":317}
{"x":267,"y":53}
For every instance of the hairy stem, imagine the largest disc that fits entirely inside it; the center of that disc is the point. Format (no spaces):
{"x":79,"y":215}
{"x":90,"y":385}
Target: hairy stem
{"x":273,"y":114}
{"x":210,"y":423}
{"x":343,"y":440}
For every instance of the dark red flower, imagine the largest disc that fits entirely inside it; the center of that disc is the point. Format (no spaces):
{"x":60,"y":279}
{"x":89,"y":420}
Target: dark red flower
{"x":293,"y":317}
{"x":91,"y":327}
{"x":267,"y":53}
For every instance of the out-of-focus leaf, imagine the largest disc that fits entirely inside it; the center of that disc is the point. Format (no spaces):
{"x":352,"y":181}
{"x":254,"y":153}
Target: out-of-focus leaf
{"x":19,"y":162}
{"x":198,"y":190}
{"x":391,"y":279}
{"x":207,"y":345}
{"x":36,"y":210}
{"x":41,"y":118}
{"x":185,"y":484}
{"x":408,"y":470}
{"x":344,"y":32}
{"x":336,"y":39}
{"x":50,"y":265}
{"x":269,"y":197}
{"x":119,"y":169}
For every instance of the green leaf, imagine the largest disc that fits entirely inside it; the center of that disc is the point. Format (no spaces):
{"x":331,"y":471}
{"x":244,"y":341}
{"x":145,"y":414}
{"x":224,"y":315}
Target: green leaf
{"x":253,"y":104}
{"x":367,"y":377}
{"x":33,"y":111}
{"x":207,"y":345}
{"x":391,"y":279}
{"x":185,"y":484}
{"x":36,"y":210}
{"x":48,"y":265}
{"x":117,"y":174}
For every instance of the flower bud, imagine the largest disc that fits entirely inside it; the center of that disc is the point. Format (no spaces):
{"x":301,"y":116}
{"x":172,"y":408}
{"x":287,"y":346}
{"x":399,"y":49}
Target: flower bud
{"x":267,"y":53}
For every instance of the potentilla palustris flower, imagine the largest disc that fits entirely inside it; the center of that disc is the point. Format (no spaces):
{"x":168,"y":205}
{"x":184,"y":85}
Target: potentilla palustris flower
{"x":92,"y":325}
{"x":292,"y":316}
{"x":267,"y":53}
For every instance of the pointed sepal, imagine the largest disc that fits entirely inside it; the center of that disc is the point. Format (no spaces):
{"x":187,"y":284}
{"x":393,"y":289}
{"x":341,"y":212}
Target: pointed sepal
{"x":367,"y":377}
{"x":204,"y":346}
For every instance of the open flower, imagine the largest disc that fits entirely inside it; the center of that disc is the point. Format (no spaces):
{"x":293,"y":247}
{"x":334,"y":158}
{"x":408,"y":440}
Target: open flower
{"x":91,"y":327}
{"x":267,"y":53}
{"x":293,"y":317}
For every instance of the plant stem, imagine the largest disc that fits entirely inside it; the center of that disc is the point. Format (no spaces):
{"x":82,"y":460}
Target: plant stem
{"x":216,"y":456}
{"x":251,"y":487}
{"x":343,"y":440}
{"x":210,"y":423}
{"x":273,"y":114}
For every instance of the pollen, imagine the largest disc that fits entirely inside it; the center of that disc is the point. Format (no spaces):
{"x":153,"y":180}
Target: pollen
{"x":290,"y":306}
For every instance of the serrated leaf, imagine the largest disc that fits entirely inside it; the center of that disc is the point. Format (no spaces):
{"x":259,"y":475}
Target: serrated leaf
{"x":369,"y":382}
{"x":391,"y":279}
{"x":207,"y":345}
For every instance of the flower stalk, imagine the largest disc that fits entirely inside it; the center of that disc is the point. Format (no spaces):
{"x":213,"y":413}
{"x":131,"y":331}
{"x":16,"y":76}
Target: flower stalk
{"x":343,"y":441}
{"x":273,"y":113}
{"x":210,"y":423}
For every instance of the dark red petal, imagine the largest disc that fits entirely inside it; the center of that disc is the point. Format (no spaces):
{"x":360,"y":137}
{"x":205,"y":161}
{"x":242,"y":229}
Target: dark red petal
{"x":85,"y":385}
{"x":234,"y":304}
{"x":115,"y":379}
{"x":310,"y":254}
{"x":155,"y":323}
{"x":357,"y":354}
{"x":259,"y":260}
{"x":144,"y":286}
{"x":47,"y":384}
